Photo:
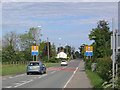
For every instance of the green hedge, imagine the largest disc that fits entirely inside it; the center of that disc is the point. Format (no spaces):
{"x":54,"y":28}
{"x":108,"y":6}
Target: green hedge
{"x":104,"y":68}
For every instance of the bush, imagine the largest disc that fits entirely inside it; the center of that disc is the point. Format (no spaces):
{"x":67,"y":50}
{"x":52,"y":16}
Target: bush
{"x":104,"y":67}
{"x":88,"y":63}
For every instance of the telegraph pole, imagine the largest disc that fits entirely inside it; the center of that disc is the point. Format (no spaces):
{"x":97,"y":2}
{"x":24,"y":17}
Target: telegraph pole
{"x":116,"y":51}
{"x":113,"y":27}
{"x":48,"y":47}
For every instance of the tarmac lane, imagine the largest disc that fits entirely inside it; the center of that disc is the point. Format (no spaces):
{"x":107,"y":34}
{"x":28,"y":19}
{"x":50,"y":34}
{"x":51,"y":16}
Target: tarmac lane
{"x":57,"y":77}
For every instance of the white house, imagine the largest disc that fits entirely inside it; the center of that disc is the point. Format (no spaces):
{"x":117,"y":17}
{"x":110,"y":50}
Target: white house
{"x":61,"y":55}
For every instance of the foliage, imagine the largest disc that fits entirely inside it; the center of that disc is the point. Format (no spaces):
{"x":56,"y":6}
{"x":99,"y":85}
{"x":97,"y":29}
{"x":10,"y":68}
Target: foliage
{"x":101,"y":52}
{"x":77,"y":54}
{"x":17,"y":47}
{"x":53,"y":51}
{"x":101,"y":36}
{"x":9,"y":47}
{"x":118,"y":79}
{"x":96,"y":80}
{"x":88,"y":63}
{"x":103,"y":68}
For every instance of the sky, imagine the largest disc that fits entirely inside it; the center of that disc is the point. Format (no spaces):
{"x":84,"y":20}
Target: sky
{"x":70,"y":21}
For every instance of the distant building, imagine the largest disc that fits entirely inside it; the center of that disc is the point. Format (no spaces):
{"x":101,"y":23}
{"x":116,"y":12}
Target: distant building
{"x":61,"y":55}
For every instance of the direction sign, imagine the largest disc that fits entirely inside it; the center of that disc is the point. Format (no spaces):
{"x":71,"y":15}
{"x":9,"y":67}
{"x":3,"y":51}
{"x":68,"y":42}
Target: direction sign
{"x":34,"y":50}
{"x":89,"y":50}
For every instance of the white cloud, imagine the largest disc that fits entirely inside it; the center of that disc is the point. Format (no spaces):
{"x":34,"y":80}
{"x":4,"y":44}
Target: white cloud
{"x":20,"y":15}
{"x":23,"y":13}
{"x":60,"y":0}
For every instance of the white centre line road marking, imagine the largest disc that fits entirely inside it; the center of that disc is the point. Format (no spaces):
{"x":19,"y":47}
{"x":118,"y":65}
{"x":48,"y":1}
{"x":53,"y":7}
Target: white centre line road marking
{"x":43,"y":76}
{"x":4,"y":78}
{"x":8,"y":87}
{"x":53,"y":72}
{"x":23,"y":83}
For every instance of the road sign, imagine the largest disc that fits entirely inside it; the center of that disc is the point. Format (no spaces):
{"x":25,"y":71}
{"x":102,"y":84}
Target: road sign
{"x":34,"y":50}
{"x":89,"y":50}
{"x":89,"y":53}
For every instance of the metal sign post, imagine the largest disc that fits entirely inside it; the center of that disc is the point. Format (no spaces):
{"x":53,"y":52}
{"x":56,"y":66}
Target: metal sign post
{"x":113,"y":27}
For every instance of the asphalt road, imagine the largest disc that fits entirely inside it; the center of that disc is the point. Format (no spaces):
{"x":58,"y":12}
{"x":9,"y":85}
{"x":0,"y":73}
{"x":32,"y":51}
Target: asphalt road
{"x":56,"y":77}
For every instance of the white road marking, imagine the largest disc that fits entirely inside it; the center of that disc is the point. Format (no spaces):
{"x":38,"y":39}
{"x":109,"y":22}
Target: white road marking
{"x":8,"y":87}
{"x":23,"y":83}
{"x":53,"y":72}
{"x":4,"y":78}
{"x":43,"y":76}
{"x":35,"y":77}
{"x":16,"y":83}
{"x":10,"y":77}
{"x":71,"y":77}
{"x":14,"y":76}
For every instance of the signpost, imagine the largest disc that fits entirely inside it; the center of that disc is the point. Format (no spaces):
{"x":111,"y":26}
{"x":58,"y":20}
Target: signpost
{"x":89,"y":51}
{"x":34,"y":51}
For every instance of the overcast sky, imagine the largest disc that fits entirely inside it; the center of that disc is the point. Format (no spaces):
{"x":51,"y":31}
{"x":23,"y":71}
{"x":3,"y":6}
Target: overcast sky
{"x":71,"y":21}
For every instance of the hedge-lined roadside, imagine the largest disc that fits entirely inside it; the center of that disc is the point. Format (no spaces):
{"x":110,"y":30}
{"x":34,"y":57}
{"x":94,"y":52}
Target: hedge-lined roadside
{"x":96,"y":80}
{"x":17,"y":69}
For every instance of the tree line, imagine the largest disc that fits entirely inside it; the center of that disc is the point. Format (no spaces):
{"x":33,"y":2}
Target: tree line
{"x":17,"y":47}
{"x":101,"y":35}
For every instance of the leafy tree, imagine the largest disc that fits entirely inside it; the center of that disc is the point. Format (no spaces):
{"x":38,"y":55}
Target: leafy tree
{"x":42,"y":49}
{"x":53,"y":50}
{"x":59,"y":49}
{"x":9,"y":47}
{"x":101,"y":36}
{"x":77,"y":54}
{"x":68,"y":50}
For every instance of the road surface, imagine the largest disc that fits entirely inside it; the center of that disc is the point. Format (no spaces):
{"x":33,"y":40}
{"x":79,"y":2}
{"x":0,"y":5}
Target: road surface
{"x":56,"y":77}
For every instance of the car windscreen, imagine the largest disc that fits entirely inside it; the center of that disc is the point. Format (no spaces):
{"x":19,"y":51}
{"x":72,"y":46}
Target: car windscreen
{"x":63,"y":61}
{"x":34,"y":64}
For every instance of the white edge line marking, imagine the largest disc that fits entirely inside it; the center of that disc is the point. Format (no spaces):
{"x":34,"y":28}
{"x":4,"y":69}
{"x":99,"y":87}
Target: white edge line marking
{"x":23,"y":83}
{"x":71,"y":77}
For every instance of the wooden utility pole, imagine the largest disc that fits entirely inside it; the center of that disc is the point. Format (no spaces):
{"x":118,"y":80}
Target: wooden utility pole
{"x":48,"y":47}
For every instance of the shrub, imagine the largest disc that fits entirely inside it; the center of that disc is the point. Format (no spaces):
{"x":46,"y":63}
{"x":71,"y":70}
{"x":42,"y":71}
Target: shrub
{"x":88,"y":63}
{"x":104,"y":67}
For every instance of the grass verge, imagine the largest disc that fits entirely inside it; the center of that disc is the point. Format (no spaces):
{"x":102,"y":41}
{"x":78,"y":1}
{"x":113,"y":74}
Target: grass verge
{"x":96,"y":80}
{"x":17,"y":69}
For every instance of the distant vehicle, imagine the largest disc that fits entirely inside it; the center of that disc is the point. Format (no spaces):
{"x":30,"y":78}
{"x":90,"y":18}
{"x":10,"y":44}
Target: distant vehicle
{"x":36,"y":67}
{"x":64,"y":63}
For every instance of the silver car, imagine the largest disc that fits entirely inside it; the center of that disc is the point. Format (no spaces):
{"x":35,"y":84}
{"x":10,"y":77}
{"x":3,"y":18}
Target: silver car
{"x":36,"y":67}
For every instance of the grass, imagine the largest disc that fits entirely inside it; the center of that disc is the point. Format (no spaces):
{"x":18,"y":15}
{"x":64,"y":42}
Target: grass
{"x":96,"y":80}
{"x":17,"y":69}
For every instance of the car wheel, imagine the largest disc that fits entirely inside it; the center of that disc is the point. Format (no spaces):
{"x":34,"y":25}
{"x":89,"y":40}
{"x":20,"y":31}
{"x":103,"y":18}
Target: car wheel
{"x":41,"y":72}
{"x":45,"y":71}
{"x":28,"y":73}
